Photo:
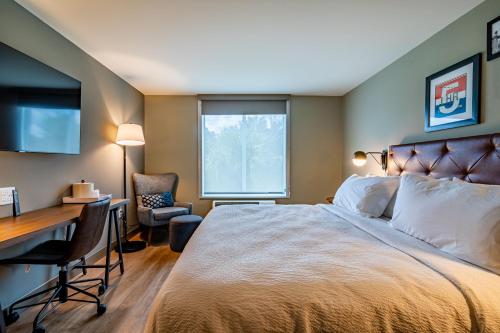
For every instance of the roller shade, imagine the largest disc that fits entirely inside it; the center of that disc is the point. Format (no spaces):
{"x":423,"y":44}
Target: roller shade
{"x":243,"y":107}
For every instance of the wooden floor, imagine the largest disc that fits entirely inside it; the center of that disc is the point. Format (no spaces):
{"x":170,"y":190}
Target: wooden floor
{"x":128,"y":298}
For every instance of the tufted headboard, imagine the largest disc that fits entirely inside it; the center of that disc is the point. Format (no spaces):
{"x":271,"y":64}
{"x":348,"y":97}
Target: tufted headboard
{"x":475,"y":159}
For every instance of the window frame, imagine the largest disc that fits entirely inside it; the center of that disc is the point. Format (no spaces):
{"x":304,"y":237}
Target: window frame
{"x":202,"y":98}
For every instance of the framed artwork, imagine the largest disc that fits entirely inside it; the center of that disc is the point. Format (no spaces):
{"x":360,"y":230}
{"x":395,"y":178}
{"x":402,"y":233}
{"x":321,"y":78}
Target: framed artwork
{"x":493,"y":41}
{"x":452,"y":97}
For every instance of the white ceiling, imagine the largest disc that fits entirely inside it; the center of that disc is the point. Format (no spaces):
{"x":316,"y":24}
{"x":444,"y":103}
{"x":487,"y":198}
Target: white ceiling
{"x":234,"y":46}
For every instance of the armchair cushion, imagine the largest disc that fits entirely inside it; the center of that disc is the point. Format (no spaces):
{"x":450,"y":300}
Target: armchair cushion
{"x":166,"y":213}
{"x":157,"y":200}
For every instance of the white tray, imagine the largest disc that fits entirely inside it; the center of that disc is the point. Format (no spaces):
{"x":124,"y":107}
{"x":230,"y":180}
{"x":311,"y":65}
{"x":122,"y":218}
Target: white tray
{"x":71,"y":200}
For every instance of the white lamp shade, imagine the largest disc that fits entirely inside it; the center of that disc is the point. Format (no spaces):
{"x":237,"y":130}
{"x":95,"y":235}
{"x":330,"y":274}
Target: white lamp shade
{"x":130,"y":135}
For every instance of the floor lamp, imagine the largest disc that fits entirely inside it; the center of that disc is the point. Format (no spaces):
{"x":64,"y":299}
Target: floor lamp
{"x":129,"y":135}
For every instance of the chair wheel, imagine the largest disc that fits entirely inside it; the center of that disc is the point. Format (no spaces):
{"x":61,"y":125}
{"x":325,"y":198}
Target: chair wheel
{"x":39,"y":329}
{"x":11,"y":318}
{"x":101,"y":290}
{"x":101,"y":309}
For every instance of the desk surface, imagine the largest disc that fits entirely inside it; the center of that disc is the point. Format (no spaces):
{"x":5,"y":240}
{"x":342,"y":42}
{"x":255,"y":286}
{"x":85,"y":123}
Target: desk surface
{"x":14,"y":230}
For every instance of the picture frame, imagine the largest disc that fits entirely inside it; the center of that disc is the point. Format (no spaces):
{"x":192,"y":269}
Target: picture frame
{"x":453,"y":95}
{"x":493,"y":39}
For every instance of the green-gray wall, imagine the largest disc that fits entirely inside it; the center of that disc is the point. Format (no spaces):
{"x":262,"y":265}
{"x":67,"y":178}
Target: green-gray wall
{"x":315,"y":146}
{"x":41,"y":179}
{"x":389,"y":107}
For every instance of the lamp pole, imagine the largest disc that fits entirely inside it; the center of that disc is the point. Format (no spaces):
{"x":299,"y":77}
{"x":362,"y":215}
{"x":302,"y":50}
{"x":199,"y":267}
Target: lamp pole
{"x":125,"y":173}
{"x":125,"y":188}
{"x":128,"y":134}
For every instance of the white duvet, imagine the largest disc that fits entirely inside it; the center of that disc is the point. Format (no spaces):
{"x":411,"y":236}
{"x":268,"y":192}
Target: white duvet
{"x":301,"y":268}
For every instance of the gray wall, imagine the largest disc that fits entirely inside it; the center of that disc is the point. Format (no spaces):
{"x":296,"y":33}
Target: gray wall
{"x":389,"y":107}
{"x":315,"y":146}
{"x":41,"y":179}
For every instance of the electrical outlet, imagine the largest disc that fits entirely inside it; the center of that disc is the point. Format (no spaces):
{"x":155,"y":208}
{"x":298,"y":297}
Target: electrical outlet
{"x":6,"y":195}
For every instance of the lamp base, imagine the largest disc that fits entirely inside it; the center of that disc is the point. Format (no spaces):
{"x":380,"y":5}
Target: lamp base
{"x":132,"y":246}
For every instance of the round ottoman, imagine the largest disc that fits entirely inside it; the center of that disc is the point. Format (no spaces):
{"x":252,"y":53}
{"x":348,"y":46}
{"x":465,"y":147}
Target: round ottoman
{"x":181,"y":228}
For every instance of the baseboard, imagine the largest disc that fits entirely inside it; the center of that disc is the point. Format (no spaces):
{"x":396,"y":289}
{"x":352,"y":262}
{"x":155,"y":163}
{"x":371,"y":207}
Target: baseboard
{"x":92,"y":259}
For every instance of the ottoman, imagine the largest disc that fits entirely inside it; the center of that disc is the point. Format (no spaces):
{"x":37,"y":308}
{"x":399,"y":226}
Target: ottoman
{"x":181,"y":228}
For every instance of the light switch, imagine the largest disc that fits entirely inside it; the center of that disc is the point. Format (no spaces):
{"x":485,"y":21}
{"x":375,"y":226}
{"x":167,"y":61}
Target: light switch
{"x":6,"y":195}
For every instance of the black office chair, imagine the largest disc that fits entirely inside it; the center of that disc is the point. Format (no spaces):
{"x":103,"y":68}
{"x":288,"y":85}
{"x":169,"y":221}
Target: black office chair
{"x":87,"y":234}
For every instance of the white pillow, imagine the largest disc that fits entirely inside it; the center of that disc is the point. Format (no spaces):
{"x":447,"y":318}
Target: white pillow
{"x":389,"y":211}
{"x":367,"y":196}
{"x":459,"y":218}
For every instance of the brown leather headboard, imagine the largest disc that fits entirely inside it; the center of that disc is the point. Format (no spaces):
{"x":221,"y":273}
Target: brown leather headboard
{"x":475,"y":159}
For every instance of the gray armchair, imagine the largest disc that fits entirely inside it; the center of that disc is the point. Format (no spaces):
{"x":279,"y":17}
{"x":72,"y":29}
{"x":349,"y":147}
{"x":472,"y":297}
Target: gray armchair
{"x":150,"y":184}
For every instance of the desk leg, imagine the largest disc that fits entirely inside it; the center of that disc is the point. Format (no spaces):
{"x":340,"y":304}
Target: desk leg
{"x":68,"y":232}
{"x":118,"y":240}
{"x":108,"y":252}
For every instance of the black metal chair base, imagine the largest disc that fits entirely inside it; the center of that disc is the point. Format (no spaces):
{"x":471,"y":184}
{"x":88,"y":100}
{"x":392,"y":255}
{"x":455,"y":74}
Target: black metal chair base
{"x":132,"y":246}
{"x":59,"y":295}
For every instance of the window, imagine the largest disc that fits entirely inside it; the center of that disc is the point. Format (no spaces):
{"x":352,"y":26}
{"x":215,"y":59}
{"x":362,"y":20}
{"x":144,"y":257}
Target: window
{"x":243,"y":148}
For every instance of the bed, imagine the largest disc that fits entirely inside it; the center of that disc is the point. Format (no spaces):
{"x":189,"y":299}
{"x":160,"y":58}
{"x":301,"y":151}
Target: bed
{"x":321,"y":268}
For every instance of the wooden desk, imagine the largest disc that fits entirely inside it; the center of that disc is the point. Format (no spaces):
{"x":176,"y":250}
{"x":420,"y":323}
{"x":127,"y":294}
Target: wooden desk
{"x":15,"y":230}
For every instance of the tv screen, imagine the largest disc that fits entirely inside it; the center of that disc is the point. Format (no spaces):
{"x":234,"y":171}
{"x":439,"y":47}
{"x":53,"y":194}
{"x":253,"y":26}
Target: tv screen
{"x":39,"y":106}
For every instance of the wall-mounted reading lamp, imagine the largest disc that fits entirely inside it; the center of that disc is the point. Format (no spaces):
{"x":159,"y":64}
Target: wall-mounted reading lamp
{"x":359,"y":158}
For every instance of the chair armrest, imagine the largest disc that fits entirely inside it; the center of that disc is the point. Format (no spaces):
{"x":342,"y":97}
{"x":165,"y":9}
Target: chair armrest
{"x":144,"y":215}
{"x":187,"y":205}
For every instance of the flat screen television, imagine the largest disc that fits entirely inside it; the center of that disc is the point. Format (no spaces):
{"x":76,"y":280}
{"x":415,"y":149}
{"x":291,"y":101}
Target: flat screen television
{"x":39,"y":106}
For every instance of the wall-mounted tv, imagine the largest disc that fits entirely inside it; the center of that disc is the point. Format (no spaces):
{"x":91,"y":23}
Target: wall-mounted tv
{"x":39,"y":106}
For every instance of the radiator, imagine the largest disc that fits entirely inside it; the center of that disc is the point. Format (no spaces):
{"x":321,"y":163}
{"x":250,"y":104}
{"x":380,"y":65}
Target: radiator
{"x":216,"y":203}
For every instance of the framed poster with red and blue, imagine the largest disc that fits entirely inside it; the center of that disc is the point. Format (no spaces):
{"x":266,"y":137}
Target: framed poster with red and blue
{"x":453,"y":96}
